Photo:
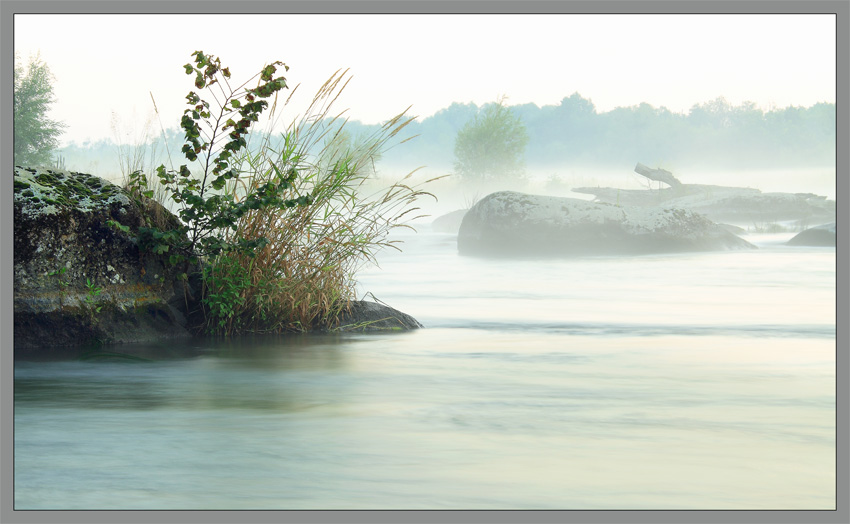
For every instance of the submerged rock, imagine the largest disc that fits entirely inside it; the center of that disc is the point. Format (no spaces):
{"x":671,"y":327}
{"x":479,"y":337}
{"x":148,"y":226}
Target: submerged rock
{"x":823,"y":235}
{"x":450,"y":222}
{"x":372,"y":316}
{"x":79,"y":281}
{"x":520,"y":225}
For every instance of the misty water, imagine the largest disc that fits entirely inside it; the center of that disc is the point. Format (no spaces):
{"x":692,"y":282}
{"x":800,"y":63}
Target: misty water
{"x":682,"y":381}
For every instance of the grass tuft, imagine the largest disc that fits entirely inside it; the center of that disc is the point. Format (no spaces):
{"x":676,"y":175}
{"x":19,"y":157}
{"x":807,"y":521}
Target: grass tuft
{"x":305,"y":275}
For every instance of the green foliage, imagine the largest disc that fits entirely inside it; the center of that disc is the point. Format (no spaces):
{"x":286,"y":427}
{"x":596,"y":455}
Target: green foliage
{"x":279,"y":229}
{"x":305,"y":275}
{"x":116,"y":225}
{"x":36,"y":135}
{"x":227,"y":282}
{"x":214,"y":137}
{"x":137,"y":185}
{"x":58,"y":274}
{"x":491,"y":145}
{"x":92,"y":293}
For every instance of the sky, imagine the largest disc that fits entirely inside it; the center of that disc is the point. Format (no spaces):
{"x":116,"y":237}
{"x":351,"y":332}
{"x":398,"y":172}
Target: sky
{"x":107,"y":67}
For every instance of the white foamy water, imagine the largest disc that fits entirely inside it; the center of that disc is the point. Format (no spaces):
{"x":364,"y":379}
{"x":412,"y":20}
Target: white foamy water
{"x":693,"y":381}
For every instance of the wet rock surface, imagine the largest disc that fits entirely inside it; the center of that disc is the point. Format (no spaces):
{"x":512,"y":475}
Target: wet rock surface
{"x":510,"y":224}
{"x":372,"y":316}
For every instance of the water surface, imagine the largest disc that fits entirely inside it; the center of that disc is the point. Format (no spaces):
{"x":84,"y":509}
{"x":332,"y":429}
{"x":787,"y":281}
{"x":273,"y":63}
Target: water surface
{"x":694,"y":381}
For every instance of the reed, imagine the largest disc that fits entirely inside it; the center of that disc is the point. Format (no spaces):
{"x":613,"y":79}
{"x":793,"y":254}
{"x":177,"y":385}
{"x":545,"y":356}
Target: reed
{"x":305,"y":275}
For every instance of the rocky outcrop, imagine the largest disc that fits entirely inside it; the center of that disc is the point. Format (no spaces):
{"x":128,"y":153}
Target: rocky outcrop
{"x":520,"y":225}
{"x":79,"y":281}
{"x":817,"y":236}
{"x":372,"y":316}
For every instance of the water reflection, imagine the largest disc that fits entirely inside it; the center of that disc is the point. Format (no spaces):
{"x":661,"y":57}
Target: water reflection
{"x":257,"y":373}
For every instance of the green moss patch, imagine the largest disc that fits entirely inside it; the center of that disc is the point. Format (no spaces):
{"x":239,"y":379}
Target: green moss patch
{"x":45,"y":191}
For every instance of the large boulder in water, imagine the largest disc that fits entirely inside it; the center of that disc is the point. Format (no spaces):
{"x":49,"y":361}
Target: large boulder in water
{"x":79,"y":281}
{"x":521,"y":225}
{"x":817,"y":236}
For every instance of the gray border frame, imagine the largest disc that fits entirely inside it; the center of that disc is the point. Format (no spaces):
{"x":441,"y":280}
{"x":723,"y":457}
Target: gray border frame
{"x":841,"y":8}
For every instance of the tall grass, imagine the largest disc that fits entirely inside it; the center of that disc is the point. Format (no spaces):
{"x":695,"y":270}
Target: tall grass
{"x":138,"y":153}
{"x":305,"y":276}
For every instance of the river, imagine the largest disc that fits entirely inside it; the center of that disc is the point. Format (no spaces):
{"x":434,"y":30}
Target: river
{"x":685,"y":381}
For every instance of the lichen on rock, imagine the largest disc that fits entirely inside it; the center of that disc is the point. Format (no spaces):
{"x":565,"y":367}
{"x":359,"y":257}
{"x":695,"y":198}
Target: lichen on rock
{"x":69,"y":263}
{"x":46,"y":191}
{"x":510,"y":224}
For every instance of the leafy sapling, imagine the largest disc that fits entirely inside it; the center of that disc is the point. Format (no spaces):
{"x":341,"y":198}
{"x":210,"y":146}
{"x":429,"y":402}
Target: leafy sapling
{"x":92,"y":294}
{"x":214,"y":137}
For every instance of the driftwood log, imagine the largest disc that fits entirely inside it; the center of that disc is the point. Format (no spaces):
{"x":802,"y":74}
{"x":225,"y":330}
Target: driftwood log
{"x":659,"y":175}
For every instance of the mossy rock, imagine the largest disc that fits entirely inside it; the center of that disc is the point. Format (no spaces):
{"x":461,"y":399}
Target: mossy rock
{"x":65,"y":249}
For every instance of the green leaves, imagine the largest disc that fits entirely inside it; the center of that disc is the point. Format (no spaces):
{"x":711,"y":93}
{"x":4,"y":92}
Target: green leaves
{"x":207,"y":212}
{"x":116,"y":225}
{"x":91,"y":296}
{"x":36,"y":135}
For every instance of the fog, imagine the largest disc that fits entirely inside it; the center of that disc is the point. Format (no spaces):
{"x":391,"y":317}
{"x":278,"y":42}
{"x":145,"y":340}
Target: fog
{"x":453,"y":194}
{"x":582,"y":354}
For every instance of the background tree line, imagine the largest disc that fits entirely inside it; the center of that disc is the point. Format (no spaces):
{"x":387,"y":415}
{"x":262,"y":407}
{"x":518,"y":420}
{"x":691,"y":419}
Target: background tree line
{"x":713,"y":134}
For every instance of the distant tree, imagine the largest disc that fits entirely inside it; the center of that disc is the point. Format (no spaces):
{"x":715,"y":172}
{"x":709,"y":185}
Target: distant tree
{"x":491,"y":145}
{"x":36,"y":135}
{"x":715,"y":114}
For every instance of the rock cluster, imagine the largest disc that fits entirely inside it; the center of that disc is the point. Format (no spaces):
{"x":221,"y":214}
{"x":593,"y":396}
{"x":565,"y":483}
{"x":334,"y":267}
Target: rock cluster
{"x":521,"y":225}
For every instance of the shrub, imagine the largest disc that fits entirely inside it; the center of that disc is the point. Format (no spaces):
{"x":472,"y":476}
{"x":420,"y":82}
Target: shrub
{"x":279,"y":229}
{"x":491,"y":145}
{"x":214,"y":139}
{"x":305,"y":274}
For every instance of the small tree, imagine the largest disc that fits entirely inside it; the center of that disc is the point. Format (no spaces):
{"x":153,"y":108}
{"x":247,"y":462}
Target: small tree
{"x":36,"y":135}
{"x":215,"y":138}
{"x":491,"y":145}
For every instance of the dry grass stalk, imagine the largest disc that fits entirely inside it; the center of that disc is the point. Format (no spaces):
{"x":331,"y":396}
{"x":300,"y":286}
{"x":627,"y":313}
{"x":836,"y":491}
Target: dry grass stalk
{"x":305,"y":276}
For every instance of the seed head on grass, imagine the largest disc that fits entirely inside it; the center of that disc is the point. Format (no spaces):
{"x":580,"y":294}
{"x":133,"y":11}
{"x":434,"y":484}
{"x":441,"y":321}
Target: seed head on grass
{"x":305,"y":276}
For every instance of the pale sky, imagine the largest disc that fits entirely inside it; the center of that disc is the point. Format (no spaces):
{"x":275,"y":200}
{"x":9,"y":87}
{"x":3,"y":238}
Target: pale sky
{"x":105,"y":64}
